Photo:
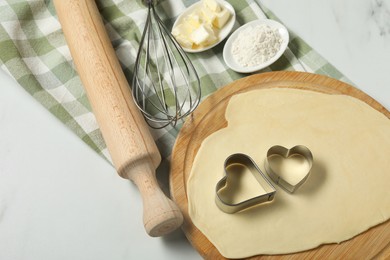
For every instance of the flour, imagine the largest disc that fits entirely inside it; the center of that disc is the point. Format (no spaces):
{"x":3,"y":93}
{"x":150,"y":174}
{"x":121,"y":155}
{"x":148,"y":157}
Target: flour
{"x":256,"y":45}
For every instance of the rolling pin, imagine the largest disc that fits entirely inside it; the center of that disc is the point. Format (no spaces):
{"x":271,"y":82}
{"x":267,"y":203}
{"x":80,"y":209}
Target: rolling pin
{"x":130,"y":144}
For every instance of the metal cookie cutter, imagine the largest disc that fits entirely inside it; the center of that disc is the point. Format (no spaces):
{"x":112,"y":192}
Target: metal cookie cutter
{"x":229,"y":206}
{"x":275,"y":173}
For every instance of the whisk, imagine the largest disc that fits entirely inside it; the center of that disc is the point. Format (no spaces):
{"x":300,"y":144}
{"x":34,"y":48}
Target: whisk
{"x":166,"y":86}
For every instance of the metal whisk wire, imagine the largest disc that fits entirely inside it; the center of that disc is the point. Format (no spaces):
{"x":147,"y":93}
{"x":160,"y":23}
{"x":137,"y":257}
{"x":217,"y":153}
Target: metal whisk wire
{"x":166,"y":86}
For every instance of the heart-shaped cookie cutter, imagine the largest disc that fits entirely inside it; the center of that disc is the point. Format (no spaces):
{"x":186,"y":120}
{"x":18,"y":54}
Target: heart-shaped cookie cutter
{"x":286,"y":153}
{"x":245,"y":160}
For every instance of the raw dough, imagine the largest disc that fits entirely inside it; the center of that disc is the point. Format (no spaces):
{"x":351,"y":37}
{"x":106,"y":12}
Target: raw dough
{"x":346,"y":193}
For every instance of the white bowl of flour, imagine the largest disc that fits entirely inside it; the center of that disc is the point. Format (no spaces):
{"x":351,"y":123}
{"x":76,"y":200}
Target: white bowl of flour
{"x":255,"y":45}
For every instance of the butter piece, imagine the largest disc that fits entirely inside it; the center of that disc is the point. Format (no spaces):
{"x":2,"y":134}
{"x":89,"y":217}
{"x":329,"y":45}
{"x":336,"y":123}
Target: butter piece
{"x":194,"y":21}
{"x":204,"y":35}
{"x":181,"y":29}
{"x":208,"y":15}
{"x":212,"y":5}
{"x":181,"y":32}
{"x":184,"y":41}
{"x":221,"y":18}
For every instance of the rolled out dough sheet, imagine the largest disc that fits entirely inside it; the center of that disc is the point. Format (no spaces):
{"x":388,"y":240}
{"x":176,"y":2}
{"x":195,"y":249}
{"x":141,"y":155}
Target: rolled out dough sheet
{"x":346,"y":193}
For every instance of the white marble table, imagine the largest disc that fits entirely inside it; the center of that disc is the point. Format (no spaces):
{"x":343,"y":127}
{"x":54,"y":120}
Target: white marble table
{"x":60,"y":200}
{"x":353,"y":35}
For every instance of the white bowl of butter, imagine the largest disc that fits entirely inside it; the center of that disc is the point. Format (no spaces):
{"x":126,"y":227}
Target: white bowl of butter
{"x":203,"y":25}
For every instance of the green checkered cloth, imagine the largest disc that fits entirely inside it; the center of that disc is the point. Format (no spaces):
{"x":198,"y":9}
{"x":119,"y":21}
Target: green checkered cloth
{"x":34,"y":52}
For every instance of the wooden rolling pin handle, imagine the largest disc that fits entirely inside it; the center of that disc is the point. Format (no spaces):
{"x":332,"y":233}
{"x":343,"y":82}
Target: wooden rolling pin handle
{"x":132,"y":148}
{"x":161,"y":215}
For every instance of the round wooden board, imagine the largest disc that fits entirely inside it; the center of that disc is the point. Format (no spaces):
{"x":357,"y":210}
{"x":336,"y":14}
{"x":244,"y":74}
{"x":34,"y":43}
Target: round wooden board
{"x":209,"y":117}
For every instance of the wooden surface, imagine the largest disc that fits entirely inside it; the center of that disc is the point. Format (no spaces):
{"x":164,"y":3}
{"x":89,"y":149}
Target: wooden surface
{"x":132,"y":148}
{"x":209,"y":117}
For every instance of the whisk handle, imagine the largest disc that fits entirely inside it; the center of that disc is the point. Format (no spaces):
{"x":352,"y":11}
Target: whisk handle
{"x":132,"y":148}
